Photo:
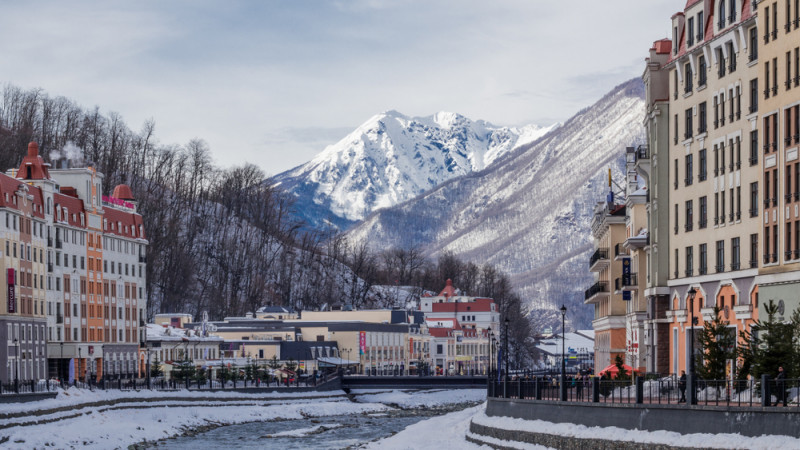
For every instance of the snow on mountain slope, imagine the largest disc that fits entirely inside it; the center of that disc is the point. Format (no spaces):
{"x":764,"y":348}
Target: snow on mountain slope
{"x":392,"y":158}
{"x":528,"y":213}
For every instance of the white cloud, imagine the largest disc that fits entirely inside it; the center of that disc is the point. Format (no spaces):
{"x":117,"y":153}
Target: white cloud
{"x":244,"y":75}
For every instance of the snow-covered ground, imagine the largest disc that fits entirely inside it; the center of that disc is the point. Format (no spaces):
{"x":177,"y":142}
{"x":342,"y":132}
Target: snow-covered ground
{"x":137,"y":421}
{"x":417,"y":399}
{"x":650,"y":437}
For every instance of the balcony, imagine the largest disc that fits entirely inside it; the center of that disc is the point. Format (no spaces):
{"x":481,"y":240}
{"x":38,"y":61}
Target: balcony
{"x":596,"y":292}
{"x":599,"y":260}
{"x":620,"y":252}
{"x":630,"y":284}
{"x":638,"y":241}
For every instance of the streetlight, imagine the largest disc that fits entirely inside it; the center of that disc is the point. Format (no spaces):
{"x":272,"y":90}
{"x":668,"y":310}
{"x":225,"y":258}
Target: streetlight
{"x":16,"y":380}
{"x":692,"y":293}
{"x":563,"y":355}
{"x":489,"y":342}
{"x":505,"y":358}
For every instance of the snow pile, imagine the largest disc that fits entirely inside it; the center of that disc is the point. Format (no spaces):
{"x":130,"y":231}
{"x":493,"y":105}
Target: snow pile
{"x":120,"y":428}
{"x":645,"y":437}
{"x":447,"y":431}
{"x":416,"y":399}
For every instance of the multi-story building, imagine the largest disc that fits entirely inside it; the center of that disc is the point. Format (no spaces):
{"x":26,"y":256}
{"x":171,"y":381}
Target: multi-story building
{"x":779,"y":66}
{"x":632,"y":253}
{"x":714,"y":166}
{"x":652,"y":165}
{"x":608,"y":230}
{"x":94,"y":310}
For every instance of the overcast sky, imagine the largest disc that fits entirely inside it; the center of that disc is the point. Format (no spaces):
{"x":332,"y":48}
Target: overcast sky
{"x":273,"y":82}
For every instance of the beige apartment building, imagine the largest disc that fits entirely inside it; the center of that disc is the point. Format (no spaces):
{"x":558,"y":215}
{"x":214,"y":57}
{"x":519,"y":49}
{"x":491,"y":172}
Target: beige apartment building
{"x":652,"y":165}
{"x":715,"y":170}
{"x":608,"y":230}
{"x":632,"y":253}
{"x":779,"y":66}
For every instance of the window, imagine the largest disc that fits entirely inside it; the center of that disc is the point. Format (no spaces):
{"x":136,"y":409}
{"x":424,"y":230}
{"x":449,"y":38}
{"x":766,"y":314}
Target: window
{"x":690,"y":32}
{"x":675,"y":184}
{"x":675,"y":137}
{"x":716,"y":208}
{"x":703,"y":259}
{"x":687,"y":81}
{"x":702,"y":69}
{"x":735,"y":263}
{"x":720,"y":63}
{"x":731,"y":57}
{"x":721,"y":22}
{"x":676,"y":218}
{"x":720,"y":256}
{"x":754,"y":250}
{"x":689,"y":169}
{"x":754,"y":199}
{"x":689,"y":215}
{"x":703,"y":212}
{"x":676,"y":263}
{"x":766,"y":79}
{"x":753,"y":44}
{"x":688,"y":128}
{"x":703,"y":165}
{"x":702,"y":124}
{"x":689,"y":261}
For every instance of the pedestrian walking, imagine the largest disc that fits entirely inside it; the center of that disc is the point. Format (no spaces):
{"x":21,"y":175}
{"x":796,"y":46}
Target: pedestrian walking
{"x":780,"y":384}
{"x":682,"y":386}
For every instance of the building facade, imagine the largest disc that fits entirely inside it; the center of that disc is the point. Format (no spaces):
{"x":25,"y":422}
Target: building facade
{"x":779,"y":117}
{"x":62,"y":231}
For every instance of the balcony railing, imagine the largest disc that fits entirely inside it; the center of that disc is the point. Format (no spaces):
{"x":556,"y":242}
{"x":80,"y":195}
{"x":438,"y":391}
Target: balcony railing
{"x":622,"y":283}
{"x":754,"y":212}
{"x":597,"y":288}
{"x":720,"y":268}
{"x":753,"y":263}
{"x":599,"y":255}
{"x":619,"y":250}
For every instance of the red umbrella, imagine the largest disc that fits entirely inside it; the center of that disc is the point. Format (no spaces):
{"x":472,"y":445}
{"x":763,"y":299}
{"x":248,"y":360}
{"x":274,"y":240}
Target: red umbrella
{"x":613,"y":370}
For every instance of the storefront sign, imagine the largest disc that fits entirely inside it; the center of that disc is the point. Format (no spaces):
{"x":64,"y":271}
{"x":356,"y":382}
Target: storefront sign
{"x":362,"y":342}
{"x":12,"y":299}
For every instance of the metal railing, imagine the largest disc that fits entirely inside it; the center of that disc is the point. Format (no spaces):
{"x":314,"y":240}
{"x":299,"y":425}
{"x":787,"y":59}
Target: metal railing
{"x":669,"y":390}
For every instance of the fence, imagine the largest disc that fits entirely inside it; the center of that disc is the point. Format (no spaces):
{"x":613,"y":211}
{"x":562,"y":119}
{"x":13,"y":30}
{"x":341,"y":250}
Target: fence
{"x":667,"y":390}
{"x":159,"y":384}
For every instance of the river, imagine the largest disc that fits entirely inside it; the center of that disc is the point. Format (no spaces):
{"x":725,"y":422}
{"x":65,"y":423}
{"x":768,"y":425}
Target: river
{"x":333,"y":432}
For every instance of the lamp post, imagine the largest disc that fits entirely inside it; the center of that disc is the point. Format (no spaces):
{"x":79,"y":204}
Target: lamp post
{"x":79,"y":363}
{"x":505,"y":362}
{"x":61,"y":364}
{"x":693,"y":400}
{"x":488,"y":366}
{"x":563,"y":354}
{"x":16,"y":379}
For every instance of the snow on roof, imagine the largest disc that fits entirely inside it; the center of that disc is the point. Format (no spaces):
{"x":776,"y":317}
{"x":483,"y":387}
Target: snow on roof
{"x":156,"y":332}
{"x":575,"y":341}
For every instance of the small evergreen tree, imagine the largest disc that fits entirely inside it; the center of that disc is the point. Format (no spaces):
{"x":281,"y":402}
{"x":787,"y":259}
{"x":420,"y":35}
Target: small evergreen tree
{"x":291,"y":365}
{"x":717,"y":342}
{"x":274,"y":363}
{"x":769,"y":345}
{"x":622,"y":373}
{"x":155,"y":368}
{"x":200,"y":376}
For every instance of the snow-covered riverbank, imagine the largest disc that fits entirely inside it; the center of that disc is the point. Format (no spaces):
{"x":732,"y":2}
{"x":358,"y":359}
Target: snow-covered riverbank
{"x":131,"y":420}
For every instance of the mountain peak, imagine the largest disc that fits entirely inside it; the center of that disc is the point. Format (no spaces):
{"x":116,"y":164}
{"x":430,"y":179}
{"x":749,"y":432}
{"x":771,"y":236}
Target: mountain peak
{"x":392,"y":158}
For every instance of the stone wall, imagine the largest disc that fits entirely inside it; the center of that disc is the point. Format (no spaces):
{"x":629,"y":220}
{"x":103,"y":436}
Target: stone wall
{"x":556,"y":441}
{"x":684,"y":419}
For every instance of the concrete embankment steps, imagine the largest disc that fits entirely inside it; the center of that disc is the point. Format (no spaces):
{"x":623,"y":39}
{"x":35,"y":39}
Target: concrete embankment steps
{"x":497,"y":437}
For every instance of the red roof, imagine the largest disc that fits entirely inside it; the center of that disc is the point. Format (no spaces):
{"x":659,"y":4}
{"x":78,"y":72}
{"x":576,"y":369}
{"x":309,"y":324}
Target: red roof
{"x":8,"y":188}
{"x":33,"y":166}
{"x":662,"y":47}
{"x":479,"y":305}
{"x":123,"y":223}
{"x":122,"y":192}
{"x":74,"y":207}
{"x":449,"y":290}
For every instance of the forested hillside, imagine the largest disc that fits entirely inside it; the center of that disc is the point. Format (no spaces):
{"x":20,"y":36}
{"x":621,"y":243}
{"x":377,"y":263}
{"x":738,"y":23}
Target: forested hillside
{"x":223,"y":240}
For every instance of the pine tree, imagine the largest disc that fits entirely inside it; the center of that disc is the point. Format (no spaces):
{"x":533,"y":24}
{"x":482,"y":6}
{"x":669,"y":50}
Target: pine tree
{"x":622,"y":373}
{"x":155,"y":368}
{"x":769,"y":345}
{"x":717,"y":341}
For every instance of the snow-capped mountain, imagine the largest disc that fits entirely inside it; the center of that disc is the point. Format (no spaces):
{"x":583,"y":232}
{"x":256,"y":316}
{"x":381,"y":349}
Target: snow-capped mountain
{"x":393,"y":158}
{"x":529,"y":213}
